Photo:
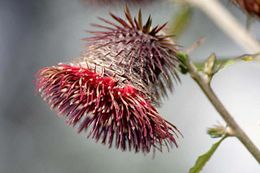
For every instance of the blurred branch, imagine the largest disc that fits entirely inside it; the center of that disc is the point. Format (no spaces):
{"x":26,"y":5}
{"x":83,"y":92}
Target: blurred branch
{"x":226,"y":21}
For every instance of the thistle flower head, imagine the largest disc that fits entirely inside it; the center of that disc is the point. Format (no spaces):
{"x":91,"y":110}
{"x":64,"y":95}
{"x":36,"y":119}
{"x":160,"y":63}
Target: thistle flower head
{"x":145,"y":55}
{"x":116,"y":113}
{"x":252,"y":7}
{"x":112,"y":87}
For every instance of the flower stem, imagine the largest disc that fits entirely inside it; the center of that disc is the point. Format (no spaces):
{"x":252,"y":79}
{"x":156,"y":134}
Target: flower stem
{"x":206,"y":88}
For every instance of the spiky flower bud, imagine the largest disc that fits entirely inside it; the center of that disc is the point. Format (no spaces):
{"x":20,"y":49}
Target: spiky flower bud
{"x":115,"y":113}
{"x":146,"y":56}
{"x":252,"y":7}
{"x":105,"y":89}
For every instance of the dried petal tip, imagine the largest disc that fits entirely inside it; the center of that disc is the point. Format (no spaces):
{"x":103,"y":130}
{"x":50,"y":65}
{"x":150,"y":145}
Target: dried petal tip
{"x":145,"y":55}
{"x":252,"y":7}
{"x":114,"y":2}
{"x":117,"y":114}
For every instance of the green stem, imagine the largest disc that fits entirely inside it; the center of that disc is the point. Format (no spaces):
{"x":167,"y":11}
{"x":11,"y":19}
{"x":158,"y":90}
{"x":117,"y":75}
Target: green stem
{"x":206,"y":88}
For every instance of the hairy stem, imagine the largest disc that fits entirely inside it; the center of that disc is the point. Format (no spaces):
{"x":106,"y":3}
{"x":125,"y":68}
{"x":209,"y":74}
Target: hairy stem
{"x":206,"y":88}
{"x":225,"y":20}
